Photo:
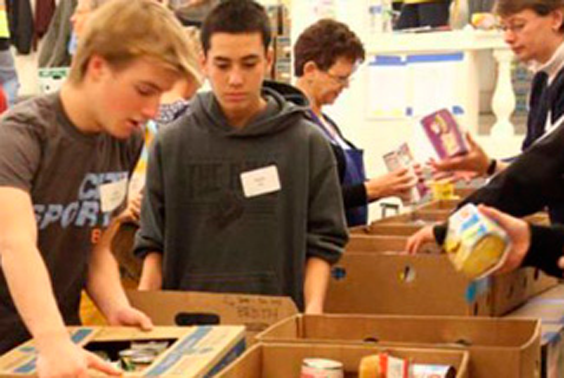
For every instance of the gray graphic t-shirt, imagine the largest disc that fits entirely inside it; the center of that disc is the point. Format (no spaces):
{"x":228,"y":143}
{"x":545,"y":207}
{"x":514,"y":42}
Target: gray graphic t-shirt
{"x":62,"y":169}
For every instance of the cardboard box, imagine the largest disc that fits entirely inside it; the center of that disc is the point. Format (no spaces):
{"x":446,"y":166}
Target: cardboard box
{"x":552,"y":351}
{"x":549,"y":308}
{"x":380,"y":282}
{"x":447,"y":205}
{"x":193,"y":351}
{"x":385,"y":243}
{"x":280,"y":360}
{"x":500,"y":348}
{"x":393,"y":229}
{"x":374,"y":277}
{"x":511,"y":290}
{"x":540,"y":282}
{"x":418,"y":217}
{"x":254,"y":312}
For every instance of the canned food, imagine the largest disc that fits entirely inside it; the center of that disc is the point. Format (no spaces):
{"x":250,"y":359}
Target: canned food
{"x":321,"y":368}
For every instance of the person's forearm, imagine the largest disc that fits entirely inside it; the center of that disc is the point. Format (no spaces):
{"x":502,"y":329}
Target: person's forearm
{"x":151,"y":276}
{"x":31,"y":290}
{"x":104,"y":281}
{"x":317,"y":274}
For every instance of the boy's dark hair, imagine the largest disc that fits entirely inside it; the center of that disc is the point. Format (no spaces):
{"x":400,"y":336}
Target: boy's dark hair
{"x":506,"y":8}
{"x":323,"y":43}
{"x":236,"y":17}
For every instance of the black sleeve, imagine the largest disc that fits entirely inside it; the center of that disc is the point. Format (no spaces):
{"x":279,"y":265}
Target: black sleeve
{"x":150,"y":236}
{"x":531,"y":183}
{"x":326,"y":226}
{"x":440,"y":232}
{"x":547,"y":247}
{"x":354,"y":195}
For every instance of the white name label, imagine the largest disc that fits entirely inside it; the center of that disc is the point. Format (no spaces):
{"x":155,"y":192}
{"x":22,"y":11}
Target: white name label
{"x":260,"y":181}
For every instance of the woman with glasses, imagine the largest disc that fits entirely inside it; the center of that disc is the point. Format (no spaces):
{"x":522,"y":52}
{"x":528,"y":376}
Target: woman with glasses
{"x":325,"y":57}
{"x":534,"y":29}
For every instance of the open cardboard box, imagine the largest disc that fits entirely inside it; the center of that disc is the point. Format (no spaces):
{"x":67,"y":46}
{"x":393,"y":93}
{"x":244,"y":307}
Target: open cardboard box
{"x":498,"y":348}
{"x":511,"y":290}
{"x":385,"y":230}
{"x":192,"y":351}
{"x":281,"y":360}
{"x":371,"y":278}
{"x":445,"y":205}
{"x":385,"y":243}
{"x":417,"y":217}
{"x":255,"y":312}
{"x":549,"y":308}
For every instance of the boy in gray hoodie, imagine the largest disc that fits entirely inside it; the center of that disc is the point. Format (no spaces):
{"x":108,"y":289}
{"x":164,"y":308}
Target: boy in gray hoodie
{"x":242,"y":194}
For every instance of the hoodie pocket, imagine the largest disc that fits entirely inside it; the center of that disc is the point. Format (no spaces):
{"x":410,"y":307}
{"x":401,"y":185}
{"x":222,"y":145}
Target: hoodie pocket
{"x":265,"y":283}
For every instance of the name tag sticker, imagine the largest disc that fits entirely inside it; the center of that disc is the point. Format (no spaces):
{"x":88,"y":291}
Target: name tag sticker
{"x":260,"y":181}
{"x":112,"y":195}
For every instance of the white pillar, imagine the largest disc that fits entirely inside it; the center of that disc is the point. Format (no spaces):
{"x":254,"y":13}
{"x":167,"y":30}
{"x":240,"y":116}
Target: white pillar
{"x":503,"y":102}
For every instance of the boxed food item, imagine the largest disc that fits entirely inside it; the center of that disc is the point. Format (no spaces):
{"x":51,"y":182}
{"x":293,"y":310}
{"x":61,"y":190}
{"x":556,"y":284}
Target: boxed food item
{"x":389,"y":366}
{"x":284,"y":360}
{"x":164,"y":351}
{"x":500,"y":348}
{"x":476,"y":245}
{"x":443,"y":190}
{"x":445,"y":134}
{"x":403,"y":158}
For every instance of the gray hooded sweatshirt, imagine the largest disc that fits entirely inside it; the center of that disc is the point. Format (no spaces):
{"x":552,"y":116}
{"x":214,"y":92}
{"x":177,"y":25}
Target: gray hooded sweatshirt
{"x":215,"y":238}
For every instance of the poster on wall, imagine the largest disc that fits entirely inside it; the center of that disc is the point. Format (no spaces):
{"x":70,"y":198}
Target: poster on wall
{"x":413,"y":85}
{"x":388,"y":84}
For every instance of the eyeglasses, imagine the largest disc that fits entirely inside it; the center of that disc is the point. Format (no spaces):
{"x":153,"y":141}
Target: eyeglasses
{"x":341,"y":80}
{"x":513,"y":28}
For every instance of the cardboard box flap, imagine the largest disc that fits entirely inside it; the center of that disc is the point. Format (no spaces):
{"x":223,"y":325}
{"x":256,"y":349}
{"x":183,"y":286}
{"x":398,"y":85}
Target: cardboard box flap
{"x":279,"y":360}
{"x":440,"y":205}
{"x":397,"y":283}
{"x":417,"y":217}
{"x":444,"y":331}
{"x":192,"y":351}
{"x":378,"y":243}
{"x":189,"y":308}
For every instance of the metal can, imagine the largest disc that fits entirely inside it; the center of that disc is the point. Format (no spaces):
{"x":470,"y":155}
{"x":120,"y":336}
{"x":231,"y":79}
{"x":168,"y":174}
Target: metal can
{"x":321,"y":368}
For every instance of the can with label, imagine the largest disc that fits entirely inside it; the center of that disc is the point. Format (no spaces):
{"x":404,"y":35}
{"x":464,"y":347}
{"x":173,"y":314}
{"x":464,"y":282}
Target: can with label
{"x":321,"y":368}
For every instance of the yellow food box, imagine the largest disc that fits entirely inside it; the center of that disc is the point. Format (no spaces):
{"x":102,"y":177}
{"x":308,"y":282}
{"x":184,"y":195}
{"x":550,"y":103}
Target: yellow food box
{"x":475,"y":244}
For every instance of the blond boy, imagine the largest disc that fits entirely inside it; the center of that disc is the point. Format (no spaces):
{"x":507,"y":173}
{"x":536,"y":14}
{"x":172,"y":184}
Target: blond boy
{"x":64,"y":163}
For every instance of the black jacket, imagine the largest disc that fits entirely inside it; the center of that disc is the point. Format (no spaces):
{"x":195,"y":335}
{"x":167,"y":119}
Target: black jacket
{"x":547,"y":247}
{"x":532,"y":182}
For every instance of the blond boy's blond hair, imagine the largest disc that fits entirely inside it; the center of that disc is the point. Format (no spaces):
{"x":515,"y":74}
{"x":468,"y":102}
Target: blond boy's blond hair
{"x":121,"y":31}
